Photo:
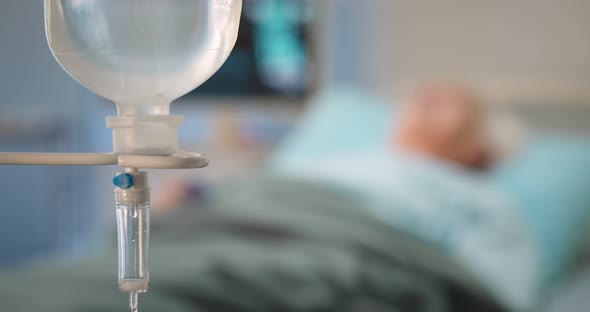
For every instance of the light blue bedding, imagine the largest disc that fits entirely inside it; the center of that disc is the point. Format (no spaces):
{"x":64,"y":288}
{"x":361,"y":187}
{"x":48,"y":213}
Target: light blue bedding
{"x":458,"y":213}
{"x":549,"y":181}
{"x":342,"y":120}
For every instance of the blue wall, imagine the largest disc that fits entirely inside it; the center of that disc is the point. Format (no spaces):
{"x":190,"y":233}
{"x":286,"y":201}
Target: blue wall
{"x":42,"y":209}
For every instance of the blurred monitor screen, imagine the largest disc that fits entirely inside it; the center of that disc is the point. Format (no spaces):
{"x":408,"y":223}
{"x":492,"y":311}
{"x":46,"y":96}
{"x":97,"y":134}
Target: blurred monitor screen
{"x":272,"y":55}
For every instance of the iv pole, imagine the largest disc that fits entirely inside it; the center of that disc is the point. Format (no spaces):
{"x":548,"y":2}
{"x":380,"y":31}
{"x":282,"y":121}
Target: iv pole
{"x":144,"y":136}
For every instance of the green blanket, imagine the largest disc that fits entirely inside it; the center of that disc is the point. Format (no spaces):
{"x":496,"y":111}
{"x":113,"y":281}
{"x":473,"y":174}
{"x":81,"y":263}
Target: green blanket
{"x":268,"y":245}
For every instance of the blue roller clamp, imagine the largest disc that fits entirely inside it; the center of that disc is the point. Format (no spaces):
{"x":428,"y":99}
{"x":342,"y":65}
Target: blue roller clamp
{"x":123,"y":181}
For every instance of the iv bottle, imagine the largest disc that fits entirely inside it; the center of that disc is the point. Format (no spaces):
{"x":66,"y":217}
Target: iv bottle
{"x":142,"y":55}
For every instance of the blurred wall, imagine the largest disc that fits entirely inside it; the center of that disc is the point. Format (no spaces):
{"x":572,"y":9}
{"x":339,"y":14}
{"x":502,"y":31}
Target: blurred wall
{"x":42,"y":209}
{"x":348,"y":42}
{"x":526,"y":51}
{"x":533,"y":51}
{"x":528,"y":57}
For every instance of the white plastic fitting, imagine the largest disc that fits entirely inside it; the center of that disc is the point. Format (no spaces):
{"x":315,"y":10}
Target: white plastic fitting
{"x":145,"y":135}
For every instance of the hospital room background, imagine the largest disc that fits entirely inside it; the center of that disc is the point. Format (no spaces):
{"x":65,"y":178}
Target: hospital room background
{"x":306,"y":79}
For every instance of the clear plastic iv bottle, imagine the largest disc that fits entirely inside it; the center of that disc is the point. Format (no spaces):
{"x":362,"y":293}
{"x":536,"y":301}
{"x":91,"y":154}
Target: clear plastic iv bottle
{"x":142,"y":55}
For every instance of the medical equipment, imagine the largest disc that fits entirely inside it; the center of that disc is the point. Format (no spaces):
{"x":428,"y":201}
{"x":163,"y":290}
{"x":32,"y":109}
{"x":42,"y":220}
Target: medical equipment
{"x":142,"y":55}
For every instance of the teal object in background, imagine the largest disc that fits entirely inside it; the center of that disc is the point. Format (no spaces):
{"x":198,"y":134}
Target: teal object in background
{"x":279,"y":50}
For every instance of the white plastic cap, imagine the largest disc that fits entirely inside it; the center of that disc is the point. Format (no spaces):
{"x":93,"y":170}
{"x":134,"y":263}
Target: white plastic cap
{"x":145,"y":135}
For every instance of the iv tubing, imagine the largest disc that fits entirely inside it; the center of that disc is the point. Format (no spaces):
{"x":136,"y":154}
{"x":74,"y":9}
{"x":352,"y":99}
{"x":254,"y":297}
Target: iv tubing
{"x":133,"y":302}
{"x":133,"y":229}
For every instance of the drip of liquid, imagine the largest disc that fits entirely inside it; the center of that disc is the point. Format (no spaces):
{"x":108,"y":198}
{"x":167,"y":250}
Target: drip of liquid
{"x":133,"y":301}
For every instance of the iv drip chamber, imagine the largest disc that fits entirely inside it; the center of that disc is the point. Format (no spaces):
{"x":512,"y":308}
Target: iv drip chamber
{"x":142,"y":55}
{"x":133,"y":229}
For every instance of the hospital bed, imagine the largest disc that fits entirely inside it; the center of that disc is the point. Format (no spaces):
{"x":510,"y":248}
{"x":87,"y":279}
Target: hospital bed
{"x":281,"y":243}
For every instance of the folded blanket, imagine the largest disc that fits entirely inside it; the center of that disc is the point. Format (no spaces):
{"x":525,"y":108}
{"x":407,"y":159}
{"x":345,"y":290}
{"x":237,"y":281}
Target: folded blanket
{"x":456,"y":210}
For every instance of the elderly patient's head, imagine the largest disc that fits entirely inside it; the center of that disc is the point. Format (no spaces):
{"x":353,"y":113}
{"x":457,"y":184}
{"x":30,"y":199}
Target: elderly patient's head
{"x":444,"y":121}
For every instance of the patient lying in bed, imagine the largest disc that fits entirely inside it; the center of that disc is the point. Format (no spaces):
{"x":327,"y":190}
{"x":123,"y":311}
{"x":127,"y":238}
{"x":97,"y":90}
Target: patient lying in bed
{"x":410,"y":227}
{"x":427,"y":182}
{"x":444,"y":122}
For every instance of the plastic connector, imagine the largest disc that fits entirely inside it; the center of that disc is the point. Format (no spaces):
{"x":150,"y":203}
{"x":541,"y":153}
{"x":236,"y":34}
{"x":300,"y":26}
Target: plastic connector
{"x":145,"y":135}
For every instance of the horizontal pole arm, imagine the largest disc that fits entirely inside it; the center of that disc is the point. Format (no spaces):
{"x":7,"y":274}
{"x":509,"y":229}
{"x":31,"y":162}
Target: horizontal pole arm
{"x":58,"y":159}
{"x":178,"y":160}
